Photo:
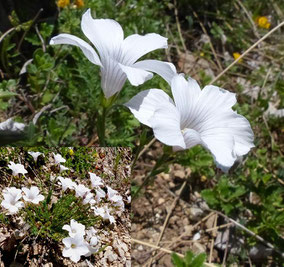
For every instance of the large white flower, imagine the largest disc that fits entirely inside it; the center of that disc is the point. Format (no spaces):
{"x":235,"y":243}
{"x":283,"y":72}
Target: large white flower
{"x":32,"y":195}
{"x":195,"y":117}
{"x":11,"y":201}
{"x":75,"y":247}
{"x":117,"y":56}
{"x":17,"y":168}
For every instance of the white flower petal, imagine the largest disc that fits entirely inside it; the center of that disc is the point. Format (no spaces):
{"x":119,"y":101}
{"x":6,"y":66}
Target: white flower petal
{"x":185,"y":95}
{"x":75,"y":257}
{"x":165,"y":69}
{"x":166,"y":125}
{"x":212,"y":101}
{"x":191,"y":139}
{"x":67,"y":252}
{"x":136,"y":46}
{"x":105,"y":34}
{"x":113,"y":77}
{"x":82,"y":249}
{"x":88,"y":51}
{"x":231,"y":124}
{"x":143,"y":104}
{"x":221,"y":146}
{"x":136,"y":76}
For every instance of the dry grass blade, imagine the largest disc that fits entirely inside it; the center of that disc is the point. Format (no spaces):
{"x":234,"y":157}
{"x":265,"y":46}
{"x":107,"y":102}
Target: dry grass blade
{"x":247,"y":51}
{"x":164,"y":250}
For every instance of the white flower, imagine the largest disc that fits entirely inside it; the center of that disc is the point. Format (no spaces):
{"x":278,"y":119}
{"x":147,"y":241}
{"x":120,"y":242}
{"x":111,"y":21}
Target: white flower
{"x":104,"y":213}
{"x":111,"y":193}
{"x":11,"y":201}
{"x":95,"y":180}
{"x":10,"y":125}
{"x":100,"y":193}
{"x":58,"y":158}
{"x":129,"y":199}
{"x":195,"y":117}
{"x":32,"y":195}
{"x":89,"y":198}
{"x":82,"y":191}
{"x":63,"y":168}
{"x":35,"y":155}
{"x":90,"y":232}
{"x":117,"y":56}
{"x":91,"y":237}
{"x":93,"y":242}
{"x":75,"y":247}
{"x":114,"y":197}
{"x":74,"y":228}
{"x":66,"y":183}
{"x":17,"y":168}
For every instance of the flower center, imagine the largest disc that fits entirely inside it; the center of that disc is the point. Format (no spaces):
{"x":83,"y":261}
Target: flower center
{"x":73,"y":246}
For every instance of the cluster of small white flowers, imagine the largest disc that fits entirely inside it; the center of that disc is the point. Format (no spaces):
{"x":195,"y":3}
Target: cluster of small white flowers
{"x":12,"y":198}
{"x":95,"y":200}
{"x":80,"y":242}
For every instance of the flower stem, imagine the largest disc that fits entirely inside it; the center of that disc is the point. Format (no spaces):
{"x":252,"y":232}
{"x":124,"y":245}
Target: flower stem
{"x":101,"y":127}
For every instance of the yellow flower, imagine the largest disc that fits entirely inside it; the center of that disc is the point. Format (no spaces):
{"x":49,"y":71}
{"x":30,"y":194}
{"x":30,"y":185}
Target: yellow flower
{"x":71,"y":152}
{"x":63,"y":3}
{"x":79,"y":3}
{"x":236,"y":55}
{"x":263,"y":22}
{"x":202,"y":54}
{"x":203,"y":178}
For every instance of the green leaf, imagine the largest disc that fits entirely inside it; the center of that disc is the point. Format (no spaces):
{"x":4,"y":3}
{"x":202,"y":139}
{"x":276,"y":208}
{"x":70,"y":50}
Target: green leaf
{"x":177,"y":261}
{"x":6,"y":94}
{"x":198,"y":260}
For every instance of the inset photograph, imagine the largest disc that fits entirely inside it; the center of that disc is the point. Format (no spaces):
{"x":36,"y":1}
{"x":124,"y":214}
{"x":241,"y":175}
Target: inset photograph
{"x":65,"y":206}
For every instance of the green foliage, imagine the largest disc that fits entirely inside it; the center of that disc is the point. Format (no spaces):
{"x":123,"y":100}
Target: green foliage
{"x":47,"y":219}
{"x":3,"y":219}
{"x":225,"y":194}
{"x":7,"y":91}
{"x":189,"y":260}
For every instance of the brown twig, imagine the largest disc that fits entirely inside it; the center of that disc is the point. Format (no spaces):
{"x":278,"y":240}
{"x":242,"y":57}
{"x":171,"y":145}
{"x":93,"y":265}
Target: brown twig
{"x":213,"y":239}
{"x":178,"y":27}
{"x":163,"y":250}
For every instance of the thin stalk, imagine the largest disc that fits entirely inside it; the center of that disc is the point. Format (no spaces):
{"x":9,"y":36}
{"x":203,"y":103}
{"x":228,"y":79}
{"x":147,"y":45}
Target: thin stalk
{"x":102,"y":127}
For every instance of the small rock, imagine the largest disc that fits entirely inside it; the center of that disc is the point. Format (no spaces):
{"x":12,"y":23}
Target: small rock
{"x":198,"y":248}
{"x":195,"y":213}
{"x":161,"y":201}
